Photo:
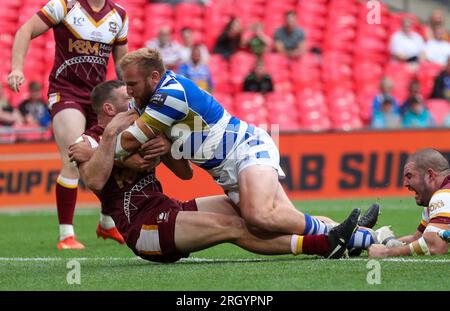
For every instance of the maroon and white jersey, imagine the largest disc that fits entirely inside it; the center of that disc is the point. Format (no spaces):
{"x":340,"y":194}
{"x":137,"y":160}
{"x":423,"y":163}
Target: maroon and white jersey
{"x":127,"y":194}
{"x":84,"y":40}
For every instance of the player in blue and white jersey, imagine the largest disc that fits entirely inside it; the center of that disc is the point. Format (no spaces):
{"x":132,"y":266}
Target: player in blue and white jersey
{"x":243,"y":159}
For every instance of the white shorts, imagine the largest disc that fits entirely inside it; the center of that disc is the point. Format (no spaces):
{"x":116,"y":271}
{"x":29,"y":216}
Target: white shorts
{"x":257,"y":148}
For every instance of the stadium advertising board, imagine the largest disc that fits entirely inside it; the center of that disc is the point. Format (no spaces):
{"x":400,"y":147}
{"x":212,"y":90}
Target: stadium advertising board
{"x":318,"y":166}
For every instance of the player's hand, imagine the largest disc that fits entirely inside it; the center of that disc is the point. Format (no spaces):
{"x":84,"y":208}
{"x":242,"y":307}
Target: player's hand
{"x":136,"y":163}
{"x":121,"y":121}
{"x":384,"y":234}
{"x":155,"y":147}
{"x":378,"y":251}
{"x":81,"y":151}
{"x":15,"y":80}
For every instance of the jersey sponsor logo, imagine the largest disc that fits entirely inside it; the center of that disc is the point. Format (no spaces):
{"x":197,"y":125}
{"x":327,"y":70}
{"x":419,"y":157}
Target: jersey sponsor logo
{"x":89,"y":48}
{"x":83,"y":47}
{"x":79,"y":21}
{"x":158,"y":99}
{"x":436,"y":205}
{"x":96,"y":36}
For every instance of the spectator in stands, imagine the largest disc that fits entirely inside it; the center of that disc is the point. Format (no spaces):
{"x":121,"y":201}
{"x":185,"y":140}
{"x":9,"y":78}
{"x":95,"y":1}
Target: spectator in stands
{"x":387,"y":117}
{"x":446,"y":121}
{"x":386,"y":87}
{"x":34,"y":109}
{"x":417,"y":115}
{"x":230,"y":40}
{"x":406,"y":44}
{"x":259,"y":79}
{"x":441,"y":87}
{"x":435,"y":21}
{"x":414,"y":95}
{"x":170,"y":50}
{"x":259,"y":42}
{"x":290,"y":38}
{"x":187,"y":42}
{"x":197,"y":70}
{"x":437,"y":49}
{"x":8,"y":115}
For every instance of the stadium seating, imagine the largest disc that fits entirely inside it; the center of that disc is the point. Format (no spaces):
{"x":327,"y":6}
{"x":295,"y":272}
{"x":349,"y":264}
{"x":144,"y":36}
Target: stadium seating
{"x":439,"y":109}
{"x":333,"y":90}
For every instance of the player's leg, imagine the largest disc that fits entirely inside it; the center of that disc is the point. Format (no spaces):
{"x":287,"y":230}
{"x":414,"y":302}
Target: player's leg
{"x":195,"y":231}
{"x":68,"y":125}
{"x":219,"y":204}
{"x":263,"y":204}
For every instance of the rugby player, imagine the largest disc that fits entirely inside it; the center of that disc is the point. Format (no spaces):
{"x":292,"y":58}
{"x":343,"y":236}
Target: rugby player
{"x":161,"y":229}
{"x":242,"y":159}
{"x":86,"y":32}
{"x":427,"y":174}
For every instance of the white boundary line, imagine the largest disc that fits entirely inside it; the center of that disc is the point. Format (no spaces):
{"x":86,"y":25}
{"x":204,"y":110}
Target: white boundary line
{"x":206,"y":260}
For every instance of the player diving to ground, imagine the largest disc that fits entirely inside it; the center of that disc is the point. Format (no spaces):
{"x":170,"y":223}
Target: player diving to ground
{"x":242,"y":159}
{"x":161,"y":229}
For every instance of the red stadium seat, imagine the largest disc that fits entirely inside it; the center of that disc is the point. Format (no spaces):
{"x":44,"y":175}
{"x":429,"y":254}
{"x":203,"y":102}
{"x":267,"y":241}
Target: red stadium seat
{"x":314,"y":121}
{"x":439,"y":109}
{"x":426,"y":75}
{"x":226,"y":101}
{"x":159,"y":9}
{"x":189,"y":9}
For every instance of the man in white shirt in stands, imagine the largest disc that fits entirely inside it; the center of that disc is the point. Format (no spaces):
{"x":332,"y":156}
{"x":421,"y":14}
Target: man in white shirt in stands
{"x":406,"y":44}
{"x":437,"y":49}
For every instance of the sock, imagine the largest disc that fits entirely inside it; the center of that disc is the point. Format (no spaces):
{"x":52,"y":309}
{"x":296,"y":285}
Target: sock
{"x":106,"y":222}
{"x":66,"y":198}
{"x":314,"y":226}
{"x":65,"y":231}
{"x":362,"y":238}
{"x":310,"y":244}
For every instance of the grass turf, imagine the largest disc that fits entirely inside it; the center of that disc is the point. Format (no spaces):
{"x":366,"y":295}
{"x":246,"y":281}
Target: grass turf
{"x":29,"y":259}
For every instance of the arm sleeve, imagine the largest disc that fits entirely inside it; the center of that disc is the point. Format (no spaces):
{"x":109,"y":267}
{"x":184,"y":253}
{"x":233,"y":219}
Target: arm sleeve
{"x":165,"y":108}
{"x":53,"y":12}
{"x":122,"y":35}
{"x":439,"y":208}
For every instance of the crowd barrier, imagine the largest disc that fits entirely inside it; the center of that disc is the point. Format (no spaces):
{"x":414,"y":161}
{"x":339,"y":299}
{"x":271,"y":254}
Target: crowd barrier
{"x":317,"y":166}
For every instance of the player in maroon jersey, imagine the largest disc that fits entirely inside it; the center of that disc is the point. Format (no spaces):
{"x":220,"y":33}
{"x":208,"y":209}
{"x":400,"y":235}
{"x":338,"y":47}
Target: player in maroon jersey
{"x":86,"y":32}
{"x":156,"y":227}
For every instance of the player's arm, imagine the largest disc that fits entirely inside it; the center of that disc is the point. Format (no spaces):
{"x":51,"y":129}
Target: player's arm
{"x":160,"y":146}
{"x":96,"y":171}
{"x":119,"y":51}
{"x":34,"y":27}
{"x":133,"y":137}
{"x":163,"y":110}
{"x":411,"y":238}
{"x":428,"y":244}
{"x":181,"y":168}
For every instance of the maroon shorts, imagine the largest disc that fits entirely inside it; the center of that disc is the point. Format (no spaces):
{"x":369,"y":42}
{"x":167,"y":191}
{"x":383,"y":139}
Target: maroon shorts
{"x":153,"y":236}
{"x":85,"y":109}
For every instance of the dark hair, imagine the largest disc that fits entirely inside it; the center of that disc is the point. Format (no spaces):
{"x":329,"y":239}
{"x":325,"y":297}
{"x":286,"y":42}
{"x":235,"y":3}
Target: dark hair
{"x":104,"y":92}
{"x":34,"y":86}
{"x":387,"y":100}
{"x":290,"y":12}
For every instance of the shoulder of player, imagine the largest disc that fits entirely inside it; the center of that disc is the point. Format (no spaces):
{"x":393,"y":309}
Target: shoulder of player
{"x":120,"y":9}
{"x":440,"y":200}
{"x":441,"y":194}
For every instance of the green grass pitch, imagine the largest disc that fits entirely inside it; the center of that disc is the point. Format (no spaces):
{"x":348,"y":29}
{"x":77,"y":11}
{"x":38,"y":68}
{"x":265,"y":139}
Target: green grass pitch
{"x":29,"y":259}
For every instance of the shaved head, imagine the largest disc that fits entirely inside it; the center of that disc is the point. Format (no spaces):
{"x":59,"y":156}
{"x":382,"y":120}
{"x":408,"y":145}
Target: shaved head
{"x":424,"y":172}
{"x":429,"y":158}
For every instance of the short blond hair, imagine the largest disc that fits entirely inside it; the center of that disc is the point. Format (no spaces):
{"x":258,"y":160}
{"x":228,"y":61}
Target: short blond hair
{"x":147,"y":60}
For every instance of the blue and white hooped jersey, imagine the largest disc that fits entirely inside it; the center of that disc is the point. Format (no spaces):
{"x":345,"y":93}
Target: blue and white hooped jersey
{"x":199,"y":127}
